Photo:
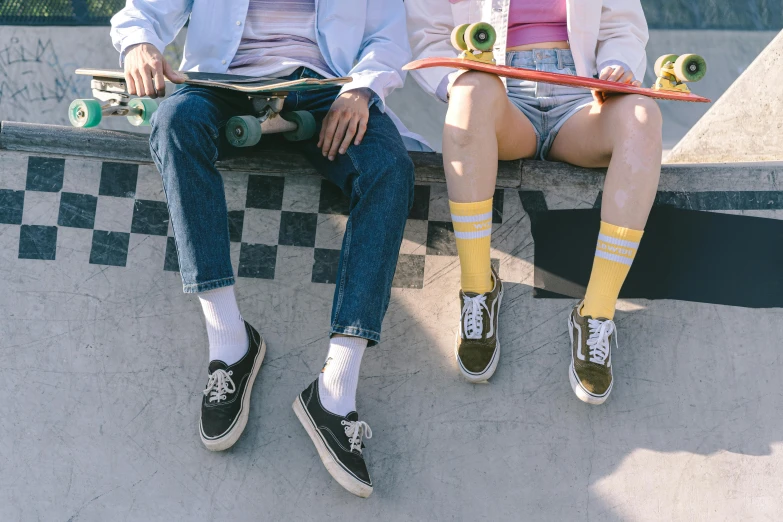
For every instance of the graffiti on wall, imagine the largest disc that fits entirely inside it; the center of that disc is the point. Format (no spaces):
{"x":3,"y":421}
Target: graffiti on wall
{"x":33,"y":80}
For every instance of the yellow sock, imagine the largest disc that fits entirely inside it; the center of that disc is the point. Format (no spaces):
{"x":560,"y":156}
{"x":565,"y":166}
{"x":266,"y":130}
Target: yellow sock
{"x":473,"y":230}
{"x":613,"y":257}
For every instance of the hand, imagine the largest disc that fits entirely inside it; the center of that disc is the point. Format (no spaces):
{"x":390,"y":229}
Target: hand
{"x":346,"y":121}
{"x":145,"y":69}
{"x":614,"y":73}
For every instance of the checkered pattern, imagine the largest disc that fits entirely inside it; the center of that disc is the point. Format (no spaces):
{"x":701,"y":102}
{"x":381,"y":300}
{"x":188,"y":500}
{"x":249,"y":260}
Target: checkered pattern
{"x":278,"y":225}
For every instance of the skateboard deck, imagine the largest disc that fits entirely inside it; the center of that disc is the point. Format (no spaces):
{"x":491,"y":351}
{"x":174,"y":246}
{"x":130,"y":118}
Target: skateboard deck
{"x":233,"y":82}
{"x":556,"y":78}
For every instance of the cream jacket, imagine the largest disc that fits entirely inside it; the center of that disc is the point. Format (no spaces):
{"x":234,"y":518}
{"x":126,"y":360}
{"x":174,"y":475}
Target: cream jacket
{"x":600,"y":32}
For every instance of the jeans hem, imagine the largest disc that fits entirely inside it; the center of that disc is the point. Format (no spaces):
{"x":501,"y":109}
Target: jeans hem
{"x":208,"y":285}
{"x":372,"y":337}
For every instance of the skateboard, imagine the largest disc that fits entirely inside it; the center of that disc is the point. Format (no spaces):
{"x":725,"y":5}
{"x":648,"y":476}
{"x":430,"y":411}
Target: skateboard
{"x":475,"y":42}
{"x":266,"y":94}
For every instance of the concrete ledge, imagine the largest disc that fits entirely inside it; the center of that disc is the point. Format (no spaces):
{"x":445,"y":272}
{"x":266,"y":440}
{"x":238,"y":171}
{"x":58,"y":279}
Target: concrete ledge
{"x":524,"y":174}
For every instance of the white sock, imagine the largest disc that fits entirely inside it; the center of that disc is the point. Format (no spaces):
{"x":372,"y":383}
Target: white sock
{"x":228,"y":341}
{"x":340,"y":375}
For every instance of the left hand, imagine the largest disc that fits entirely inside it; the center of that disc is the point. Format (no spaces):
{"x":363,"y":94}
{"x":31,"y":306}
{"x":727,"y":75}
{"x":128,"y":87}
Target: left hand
{"x":614,"y":73}
{"x":346,"y":122}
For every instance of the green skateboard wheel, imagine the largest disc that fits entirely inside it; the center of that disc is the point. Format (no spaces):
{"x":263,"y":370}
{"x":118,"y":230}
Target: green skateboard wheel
{"x":690,"y":68}
{"x":458,"y":37}
{"x":85,"y":113}
{"x":661,"y":61}
{"x":147,"y":106}
{"x":480,"y":37}
{"x":243,"y":131}
{"x":305,"y":125}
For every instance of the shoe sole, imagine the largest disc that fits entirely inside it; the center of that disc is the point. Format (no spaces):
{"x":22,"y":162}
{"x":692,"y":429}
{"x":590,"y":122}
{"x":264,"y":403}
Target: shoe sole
{"x":345,"y":479}
{"x":582,"y":394}
{"x":483,"y":377}
{"x":232,"y":436}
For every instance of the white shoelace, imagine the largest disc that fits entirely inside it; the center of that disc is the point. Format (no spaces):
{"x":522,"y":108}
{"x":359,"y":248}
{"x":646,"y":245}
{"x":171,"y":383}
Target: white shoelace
{"x":220,"y":384}
{"x":472,"y":318}
{"x":355,"y":430}
{"x":598,"y":342}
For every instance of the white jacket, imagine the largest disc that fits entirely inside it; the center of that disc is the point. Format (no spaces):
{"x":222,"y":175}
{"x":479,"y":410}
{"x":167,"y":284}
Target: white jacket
{"x":600,"y":32}
{"x":363,"y":39}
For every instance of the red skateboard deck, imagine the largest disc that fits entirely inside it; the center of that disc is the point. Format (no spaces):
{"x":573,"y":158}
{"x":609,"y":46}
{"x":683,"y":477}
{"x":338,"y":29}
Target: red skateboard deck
{"x":549,"y":77}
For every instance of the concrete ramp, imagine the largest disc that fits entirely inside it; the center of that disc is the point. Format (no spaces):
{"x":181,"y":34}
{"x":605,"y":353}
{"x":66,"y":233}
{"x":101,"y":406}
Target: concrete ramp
{"x":104,"y":358}
{"x":746,"y":123}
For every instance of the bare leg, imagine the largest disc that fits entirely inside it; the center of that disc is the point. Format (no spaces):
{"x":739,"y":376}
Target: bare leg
{"x":625,"y":134}
{"x":482,"y":126}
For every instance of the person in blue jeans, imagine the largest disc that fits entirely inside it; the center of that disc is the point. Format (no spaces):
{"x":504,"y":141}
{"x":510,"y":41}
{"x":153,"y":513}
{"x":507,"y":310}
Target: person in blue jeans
{"x":360,"y":146}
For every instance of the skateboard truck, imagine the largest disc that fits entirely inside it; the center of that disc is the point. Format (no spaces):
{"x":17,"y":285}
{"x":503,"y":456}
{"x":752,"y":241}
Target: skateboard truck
{"x":475,"y":41}
{"x":113,"y":93}
{"x":246,"y":131}
{"x":672,"y":71}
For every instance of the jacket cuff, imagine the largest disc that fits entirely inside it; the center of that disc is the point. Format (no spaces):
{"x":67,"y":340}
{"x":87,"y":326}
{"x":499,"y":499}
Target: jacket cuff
{"x":614,"y":63}
{"x":371,"y":82}
{"x":139,"y":37}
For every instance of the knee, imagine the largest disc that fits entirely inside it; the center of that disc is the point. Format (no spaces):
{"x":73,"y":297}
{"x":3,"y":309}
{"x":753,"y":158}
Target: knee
{"x":477,"y":90}
{"x":398,"y":178}
{"x":178,"y":117}
{"x":641,"y":118}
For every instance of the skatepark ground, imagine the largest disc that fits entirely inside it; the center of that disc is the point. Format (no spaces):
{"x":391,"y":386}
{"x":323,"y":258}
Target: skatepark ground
{"x":104,"y":358}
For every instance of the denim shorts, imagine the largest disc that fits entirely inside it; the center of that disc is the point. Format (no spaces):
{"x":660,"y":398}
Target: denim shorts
{"x":546,"y":105}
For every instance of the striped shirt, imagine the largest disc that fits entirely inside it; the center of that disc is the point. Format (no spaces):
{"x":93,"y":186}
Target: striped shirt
{"x":278,"y":38}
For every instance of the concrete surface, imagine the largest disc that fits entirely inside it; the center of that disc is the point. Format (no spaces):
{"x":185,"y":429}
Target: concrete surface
{"x":103,"y":366}
{"x":746,"y":123}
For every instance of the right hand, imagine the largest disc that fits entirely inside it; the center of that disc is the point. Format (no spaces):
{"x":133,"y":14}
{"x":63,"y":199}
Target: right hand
{"x":146,"y":70}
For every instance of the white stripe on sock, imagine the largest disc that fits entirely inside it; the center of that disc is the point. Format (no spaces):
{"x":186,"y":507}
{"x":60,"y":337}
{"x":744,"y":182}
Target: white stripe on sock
{"x":473,"y":235}
{"x":472,"y":219}
{"x":619,"y":242}
{"x":613,"y":257}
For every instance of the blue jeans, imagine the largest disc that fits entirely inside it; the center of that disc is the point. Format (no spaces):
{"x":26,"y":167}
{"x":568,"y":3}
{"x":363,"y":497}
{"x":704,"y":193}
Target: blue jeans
{"x":187,"y":139}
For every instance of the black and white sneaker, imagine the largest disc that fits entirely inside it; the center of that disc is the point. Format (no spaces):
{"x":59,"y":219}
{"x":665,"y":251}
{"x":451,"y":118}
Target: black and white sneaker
{"x":337,"y":439}
{"x":226,"y":402}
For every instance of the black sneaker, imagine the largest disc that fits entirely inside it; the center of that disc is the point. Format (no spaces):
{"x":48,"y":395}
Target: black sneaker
{"x":337,"y":439}
{"x":226,"y":402}
{"x":477,"y":348}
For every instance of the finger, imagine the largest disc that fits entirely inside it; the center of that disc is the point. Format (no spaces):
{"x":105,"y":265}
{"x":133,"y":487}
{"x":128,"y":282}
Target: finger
{"x":331,"y":127}
{"x":598,"y":97}
{"x":350,"y":132}
{"x":361,"y":131}
{"x":637,"y":83}
{"x":339,"y":134}
{"x":149,"y":85}
{"x":606,"y":73}
{"x":159,"y":80}
{"x":617,"y":74}
{"x":172,"y":74}
{"x":627,"y":77}
{"x":137,"y":79}
{"x":129,"y":83}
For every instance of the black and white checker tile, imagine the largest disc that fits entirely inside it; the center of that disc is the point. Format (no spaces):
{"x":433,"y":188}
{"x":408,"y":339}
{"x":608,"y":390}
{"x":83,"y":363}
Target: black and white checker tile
{"x":115,"y":207}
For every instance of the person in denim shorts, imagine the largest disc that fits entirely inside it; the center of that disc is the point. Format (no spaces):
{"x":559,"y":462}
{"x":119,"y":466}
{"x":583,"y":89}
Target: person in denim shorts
{"x":491,"y":119}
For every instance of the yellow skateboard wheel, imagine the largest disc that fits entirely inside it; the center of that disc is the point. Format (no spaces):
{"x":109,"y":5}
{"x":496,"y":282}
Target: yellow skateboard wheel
{"x":660,"y":62}
{"x":458,"y":37}
{"x":690,"y":68}
{"x":480,"y":36}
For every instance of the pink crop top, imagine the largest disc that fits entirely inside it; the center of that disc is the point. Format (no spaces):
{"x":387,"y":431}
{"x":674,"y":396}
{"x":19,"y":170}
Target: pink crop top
{"x":535,"y":21}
